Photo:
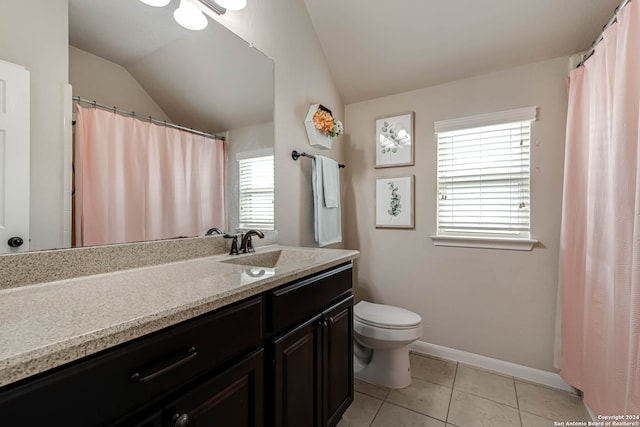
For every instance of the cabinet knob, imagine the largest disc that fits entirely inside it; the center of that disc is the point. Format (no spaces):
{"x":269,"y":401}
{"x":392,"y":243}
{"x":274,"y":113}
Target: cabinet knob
{"x":181,"y":420}
{"x":14,"y":242}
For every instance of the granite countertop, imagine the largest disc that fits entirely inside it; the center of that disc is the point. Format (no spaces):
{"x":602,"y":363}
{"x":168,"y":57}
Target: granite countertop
{"x":46,"y":325}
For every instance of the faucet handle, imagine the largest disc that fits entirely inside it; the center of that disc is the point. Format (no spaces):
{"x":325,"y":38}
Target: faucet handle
{"x":249,"y":247}
{"x":234,"y":243}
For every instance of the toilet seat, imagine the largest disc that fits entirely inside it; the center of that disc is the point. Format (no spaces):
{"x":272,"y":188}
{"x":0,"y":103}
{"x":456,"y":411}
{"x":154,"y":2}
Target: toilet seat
{"x":385,"y":316}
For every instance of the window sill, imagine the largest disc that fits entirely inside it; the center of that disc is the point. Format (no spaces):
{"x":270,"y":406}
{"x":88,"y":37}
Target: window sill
{"x":484,"y":242}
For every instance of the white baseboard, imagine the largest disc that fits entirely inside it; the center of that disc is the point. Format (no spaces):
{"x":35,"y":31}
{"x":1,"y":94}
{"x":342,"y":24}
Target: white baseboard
{"x":590,"y":411}
{"x":526,"y":373}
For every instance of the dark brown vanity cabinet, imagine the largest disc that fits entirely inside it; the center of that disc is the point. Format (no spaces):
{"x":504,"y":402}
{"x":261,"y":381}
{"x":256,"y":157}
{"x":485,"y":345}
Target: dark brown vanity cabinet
{"x":233,"y":398}
{"x":112,"y":387}
{"x":237,"y":366}
{"x":313,"y":361}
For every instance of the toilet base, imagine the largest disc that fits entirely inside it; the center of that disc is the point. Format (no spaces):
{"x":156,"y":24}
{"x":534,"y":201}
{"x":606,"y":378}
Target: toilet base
{"x":388,"y":368}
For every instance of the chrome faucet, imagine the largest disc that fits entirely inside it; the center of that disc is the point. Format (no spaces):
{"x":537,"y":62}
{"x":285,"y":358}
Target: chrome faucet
{"x":246,"y":245}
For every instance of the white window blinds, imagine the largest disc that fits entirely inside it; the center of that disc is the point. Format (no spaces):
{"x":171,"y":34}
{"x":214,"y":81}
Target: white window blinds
{"x":483,"y":175}
{"x":256,"y":193}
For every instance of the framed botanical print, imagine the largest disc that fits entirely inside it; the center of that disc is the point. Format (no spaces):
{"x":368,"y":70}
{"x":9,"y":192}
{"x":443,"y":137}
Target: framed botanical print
{"x":394,"y":202}
{"x":394,"y":141}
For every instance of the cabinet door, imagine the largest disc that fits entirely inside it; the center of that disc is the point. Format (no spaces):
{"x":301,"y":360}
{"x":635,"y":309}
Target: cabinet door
{"x":337,"y":334}
{"x":297,"y":359}
{"x":233,"y":398}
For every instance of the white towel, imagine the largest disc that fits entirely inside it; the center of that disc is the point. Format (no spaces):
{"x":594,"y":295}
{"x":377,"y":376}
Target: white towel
{"x":326,"y":182}
{"x":330,"y":182}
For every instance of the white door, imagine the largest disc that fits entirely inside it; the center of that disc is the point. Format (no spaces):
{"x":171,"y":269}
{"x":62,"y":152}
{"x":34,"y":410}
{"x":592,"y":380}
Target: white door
{"x":14,"y":158}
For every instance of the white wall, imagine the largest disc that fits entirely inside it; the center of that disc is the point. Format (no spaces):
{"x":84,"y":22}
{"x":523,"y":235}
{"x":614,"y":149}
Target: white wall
{"x":495,"y":303}
{"x":282,"y":30}
{"x":93,"y":77}
{"x":34,"y":33}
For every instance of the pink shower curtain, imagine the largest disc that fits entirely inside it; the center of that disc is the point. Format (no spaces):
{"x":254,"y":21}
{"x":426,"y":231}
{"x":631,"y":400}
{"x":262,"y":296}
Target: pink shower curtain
{"x":139,"y":181}
{"x":600,"y":239}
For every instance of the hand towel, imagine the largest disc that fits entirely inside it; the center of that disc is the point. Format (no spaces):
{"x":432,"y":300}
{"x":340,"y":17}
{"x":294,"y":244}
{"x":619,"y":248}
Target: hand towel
{"x":327,"y":221}
{"x":330,"y":181}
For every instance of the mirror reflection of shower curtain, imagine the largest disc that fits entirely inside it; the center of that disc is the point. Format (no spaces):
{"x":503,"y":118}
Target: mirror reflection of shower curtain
{"x":138,"y":181}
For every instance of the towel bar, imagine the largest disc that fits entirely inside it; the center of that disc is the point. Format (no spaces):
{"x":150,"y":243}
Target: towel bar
{"x":295,"y":155}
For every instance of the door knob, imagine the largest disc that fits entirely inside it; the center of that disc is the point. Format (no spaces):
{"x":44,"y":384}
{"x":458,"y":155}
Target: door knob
{"x":15,"y":241}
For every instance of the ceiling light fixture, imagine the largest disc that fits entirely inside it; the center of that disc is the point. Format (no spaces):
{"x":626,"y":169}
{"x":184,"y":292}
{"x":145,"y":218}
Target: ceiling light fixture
{"x":190,"y":16}
{"x":232,"y":4}
{"x":156,"y":3}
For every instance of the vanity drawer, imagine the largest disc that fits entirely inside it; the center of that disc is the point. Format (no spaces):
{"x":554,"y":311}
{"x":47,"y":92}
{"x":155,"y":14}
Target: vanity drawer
{"x":296,"y":302}
{"x":100,"y":389}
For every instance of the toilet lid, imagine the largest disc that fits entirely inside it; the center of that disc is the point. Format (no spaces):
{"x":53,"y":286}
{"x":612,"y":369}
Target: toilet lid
{"x":385,"y":316}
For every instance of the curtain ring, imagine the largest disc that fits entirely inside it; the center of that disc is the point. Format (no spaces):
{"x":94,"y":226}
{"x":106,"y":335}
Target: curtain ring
{"x":94,"y":104}
{"x":114,"y":109}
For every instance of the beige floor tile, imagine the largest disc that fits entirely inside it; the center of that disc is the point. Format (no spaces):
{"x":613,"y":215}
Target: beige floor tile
{"x":556,"y":405}
{"x":530,"y":420}
{"x":431,"y":369}
{"x":361,"y":412}
{"x":394,"y":416}
{"x":423,"y":396}
{"x":486,"y":384}
{"x":468,"y":410}
{"x":376,"y":391}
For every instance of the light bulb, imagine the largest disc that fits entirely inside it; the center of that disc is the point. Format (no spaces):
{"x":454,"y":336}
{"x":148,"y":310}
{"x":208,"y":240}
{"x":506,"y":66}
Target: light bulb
{"x":232,"y":4}
{"x":190,"y":17}
{"x":156,"y":3}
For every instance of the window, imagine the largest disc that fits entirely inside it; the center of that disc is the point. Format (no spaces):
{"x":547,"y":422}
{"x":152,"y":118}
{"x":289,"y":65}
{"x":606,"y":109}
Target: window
{"x":256,"y":193}
{"x":483,"y":179}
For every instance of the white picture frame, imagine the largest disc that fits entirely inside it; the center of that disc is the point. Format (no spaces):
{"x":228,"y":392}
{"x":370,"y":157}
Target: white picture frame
{"x":394,"y":202}
{"x":395,"y":141}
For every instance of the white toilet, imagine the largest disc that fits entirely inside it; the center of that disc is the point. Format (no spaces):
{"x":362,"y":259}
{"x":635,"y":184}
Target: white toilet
{"x":381,"y":346}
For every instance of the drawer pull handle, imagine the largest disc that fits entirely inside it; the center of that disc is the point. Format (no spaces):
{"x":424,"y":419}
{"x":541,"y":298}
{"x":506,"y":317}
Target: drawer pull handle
{"x":140,"y":378}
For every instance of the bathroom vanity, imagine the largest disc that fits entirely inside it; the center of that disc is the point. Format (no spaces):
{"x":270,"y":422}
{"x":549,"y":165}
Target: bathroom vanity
{"x":265,"y":340}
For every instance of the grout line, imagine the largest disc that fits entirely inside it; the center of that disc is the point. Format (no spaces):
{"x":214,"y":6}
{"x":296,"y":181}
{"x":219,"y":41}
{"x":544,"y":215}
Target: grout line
{"x":517,"y":400}
{"x":377,"y":412}
{"x":453,"y":385}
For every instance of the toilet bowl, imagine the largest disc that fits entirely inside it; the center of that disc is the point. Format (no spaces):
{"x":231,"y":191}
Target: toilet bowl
{"x":382,"y":334}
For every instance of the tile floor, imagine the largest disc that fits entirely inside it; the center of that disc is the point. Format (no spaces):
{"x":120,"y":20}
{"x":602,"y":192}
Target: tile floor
{"x":445,"y":393}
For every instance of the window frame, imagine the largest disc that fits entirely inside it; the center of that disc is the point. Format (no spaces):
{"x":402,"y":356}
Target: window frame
{"x":255,"y":225}
{"x":478,"y":239}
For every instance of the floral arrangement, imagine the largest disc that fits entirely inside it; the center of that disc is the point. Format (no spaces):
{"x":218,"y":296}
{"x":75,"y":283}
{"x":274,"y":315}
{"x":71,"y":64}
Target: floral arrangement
{"x":325,"y":123}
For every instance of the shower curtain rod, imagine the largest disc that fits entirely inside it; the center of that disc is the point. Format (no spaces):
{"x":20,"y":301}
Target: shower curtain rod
{"x":149,"y":118}
{"x":613,"y":19}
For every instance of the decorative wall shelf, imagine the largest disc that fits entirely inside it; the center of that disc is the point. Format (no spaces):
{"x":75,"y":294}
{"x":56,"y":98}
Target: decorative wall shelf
{"x":316,"y":138}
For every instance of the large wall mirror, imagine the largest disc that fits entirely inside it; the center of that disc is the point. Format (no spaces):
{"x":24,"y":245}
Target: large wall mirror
{"x":126,"y":54}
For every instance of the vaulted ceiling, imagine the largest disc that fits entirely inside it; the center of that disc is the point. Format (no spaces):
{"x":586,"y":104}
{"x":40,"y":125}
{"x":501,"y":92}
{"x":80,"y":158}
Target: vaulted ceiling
{"x":209,"y":80}
{"x":376,"y":48}
{"x":373,"y":47}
